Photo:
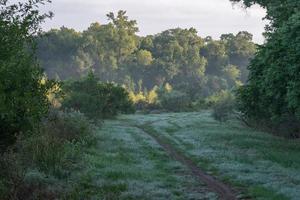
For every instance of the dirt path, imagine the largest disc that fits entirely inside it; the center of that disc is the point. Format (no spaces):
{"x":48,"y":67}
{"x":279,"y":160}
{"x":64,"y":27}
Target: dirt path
{"x":224,"y":191}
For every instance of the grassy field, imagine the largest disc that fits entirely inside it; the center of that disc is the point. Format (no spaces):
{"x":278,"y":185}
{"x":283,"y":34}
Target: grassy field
{"x":258,"y":164}
{"x":127,"y":163}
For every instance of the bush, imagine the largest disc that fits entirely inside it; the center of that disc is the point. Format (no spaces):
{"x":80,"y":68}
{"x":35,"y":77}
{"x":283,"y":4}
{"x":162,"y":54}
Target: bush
{"x":44,"y":156}
{"x":54,"y":145}
{"x":145,"y":100}
{"x":17,"y":183}
{"x":23,"y":98}
{"x":223,"y":107}
{"x":70,"y":126}
{"x":97,"y":100}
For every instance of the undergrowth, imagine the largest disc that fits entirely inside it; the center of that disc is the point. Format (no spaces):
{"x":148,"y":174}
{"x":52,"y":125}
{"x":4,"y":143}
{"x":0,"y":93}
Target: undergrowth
{"x":41,"y":163}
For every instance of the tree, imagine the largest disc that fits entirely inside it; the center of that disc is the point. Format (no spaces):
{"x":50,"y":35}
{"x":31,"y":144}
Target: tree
{"x":63,"y":45}
{"x":240,"y":50}
{"x":278,"y":11}
{"x":23,"y":98}
{"x":144,"y":57}
{"x":113,"y":51}
{"x":125,"y":40}
{"x":272,"y":93}
{"x":216,"y":55}
{"x":95,"y":99}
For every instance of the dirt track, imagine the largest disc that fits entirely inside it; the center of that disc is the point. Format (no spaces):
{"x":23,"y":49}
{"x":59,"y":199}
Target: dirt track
{"x":224,"y":191}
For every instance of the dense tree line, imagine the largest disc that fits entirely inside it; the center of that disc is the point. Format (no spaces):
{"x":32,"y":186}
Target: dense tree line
{"x":196,"y":66}
{"x":272,"y":95}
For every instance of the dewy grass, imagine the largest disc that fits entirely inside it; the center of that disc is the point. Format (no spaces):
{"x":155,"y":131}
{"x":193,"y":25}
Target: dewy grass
{"x":128,"y":164}
{"x":267,"y":167}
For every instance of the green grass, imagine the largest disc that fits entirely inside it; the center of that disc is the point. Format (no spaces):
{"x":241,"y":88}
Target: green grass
{"x":128,"y":164}
{"x":125,"y":163}
{"x":259,"y":192}
{"x":262,"y":165}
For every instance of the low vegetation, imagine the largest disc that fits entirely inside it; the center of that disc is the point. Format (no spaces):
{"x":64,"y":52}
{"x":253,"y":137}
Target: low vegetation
{"x":39,"y":165}
{"x":95,"y":99}
{"x":223,"y":105}
{"x":260,"y":165}
{"x":128,"y":164}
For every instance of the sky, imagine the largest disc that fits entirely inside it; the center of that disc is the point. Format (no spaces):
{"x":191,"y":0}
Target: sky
{"x":209,"y":17}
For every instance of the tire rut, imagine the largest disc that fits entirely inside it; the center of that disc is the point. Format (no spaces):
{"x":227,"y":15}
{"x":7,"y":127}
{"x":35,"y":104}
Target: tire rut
{"x":224,"y":191}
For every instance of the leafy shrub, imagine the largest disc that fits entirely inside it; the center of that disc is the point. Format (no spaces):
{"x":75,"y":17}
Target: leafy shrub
{"x":97,"y":100}
{"x":23,"y":98}
{"x":145,"y":100}
{"x":217,"y":97}
{"x":53,"y":146}
{"x":70,"y":126}
{"x":223,"y":109}
{"x":44,"y":156}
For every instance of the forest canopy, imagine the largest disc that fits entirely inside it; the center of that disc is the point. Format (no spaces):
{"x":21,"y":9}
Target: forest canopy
{"x":197,"y":66}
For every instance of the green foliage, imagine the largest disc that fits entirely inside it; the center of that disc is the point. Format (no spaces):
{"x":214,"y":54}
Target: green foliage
{"x":272,"y":94}
{"x":63,"y":44}
{"x":41,"y":161}
{"x":175,"y":101}
{"x":97,"y":100}
{"x":145,"y":100}
{"x":223,"y":108}
{"x":70,"y":126}
{"x":144,"y":57}
{"x":23,"y":98}
{"x":193,"y":65}
{"x":52,"y":148}
{"x":218,"y":97}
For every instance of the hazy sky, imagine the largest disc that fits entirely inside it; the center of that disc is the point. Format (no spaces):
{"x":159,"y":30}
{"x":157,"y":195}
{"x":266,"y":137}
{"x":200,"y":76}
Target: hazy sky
{"x":209,"y":17}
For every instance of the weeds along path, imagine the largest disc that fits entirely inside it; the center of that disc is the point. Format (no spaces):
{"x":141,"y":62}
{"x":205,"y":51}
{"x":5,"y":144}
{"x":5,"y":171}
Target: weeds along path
{"x":224,"y":191}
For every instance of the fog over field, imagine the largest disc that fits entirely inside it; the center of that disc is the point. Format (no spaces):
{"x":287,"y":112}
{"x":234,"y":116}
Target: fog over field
{"x":213,"y":17}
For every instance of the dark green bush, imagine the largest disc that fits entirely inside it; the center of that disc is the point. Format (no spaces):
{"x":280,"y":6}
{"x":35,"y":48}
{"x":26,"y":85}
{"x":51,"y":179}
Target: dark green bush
{"x":45,"y":156}
{"x":17,"y":182}
{"x":54,"y":144}
{"x":97,"y":100}
{"x":23,"y":98}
